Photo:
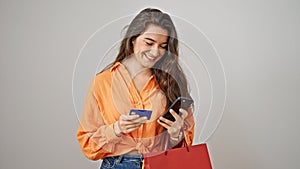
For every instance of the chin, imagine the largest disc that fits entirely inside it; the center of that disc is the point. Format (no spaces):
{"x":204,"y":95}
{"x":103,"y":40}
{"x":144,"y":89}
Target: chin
{"x":148,"y":65}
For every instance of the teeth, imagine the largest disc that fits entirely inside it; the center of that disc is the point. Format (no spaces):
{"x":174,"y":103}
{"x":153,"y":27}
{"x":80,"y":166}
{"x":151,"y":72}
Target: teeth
{"x":149,"y":57}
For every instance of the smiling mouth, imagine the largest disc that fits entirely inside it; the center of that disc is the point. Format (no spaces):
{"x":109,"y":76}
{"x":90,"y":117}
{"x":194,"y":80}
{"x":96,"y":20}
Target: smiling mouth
{"x":149,"y":57}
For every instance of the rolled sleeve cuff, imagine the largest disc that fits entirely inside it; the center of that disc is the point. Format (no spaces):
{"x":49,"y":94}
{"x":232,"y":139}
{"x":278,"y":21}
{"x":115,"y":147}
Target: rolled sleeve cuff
{"x":106,"y":138}
{"x":110,"y":134}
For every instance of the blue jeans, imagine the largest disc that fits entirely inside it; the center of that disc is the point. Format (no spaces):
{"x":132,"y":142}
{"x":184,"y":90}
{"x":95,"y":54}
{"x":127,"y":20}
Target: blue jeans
{"x":126,"y":161}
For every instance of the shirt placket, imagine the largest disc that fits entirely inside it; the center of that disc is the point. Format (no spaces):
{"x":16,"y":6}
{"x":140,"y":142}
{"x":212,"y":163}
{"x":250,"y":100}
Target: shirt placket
{"x":137,"y":100}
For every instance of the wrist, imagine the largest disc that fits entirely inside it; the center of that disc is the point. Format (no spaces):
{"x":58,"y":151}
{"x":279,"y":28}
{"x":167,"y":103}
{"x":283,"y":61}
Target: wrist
{"x":177,"y":138}
{"x":117,"y":129}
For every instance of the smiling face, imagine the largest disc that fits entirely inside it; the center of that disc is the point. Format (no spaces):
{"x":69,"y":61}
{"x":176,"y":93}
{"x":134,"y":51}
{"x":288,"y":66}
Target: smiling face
{"x":150,"y":46}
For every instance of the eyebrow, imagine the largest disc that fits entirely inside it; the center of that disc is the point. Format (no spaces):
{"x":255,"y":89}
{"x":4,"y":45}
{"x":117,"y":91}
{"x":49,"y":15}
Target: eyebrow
{"x":155,"y":41}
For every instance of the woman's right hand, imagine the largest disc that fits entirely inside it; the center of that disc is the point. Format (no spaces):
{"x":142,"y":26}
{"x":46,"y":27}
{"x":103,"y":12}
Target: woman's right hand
{"x":128,"y":123}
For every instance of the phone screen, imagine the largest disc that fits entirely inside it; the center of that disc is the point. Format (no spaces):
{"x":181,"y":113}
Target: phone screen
{"x":180,"y":102}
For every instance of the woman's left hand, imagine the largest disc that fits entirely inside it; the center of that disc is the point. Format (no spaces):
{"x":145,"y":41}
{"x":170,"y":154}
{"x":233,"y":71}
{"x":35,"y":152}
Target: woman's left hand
{"x":174,"y":128}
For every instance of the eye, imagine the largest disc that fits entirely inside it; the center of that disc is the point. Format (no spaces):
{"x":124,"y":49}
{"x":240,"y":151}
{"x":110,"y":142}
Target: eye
{"x":149,"y":44}
{"x":164,"y":47}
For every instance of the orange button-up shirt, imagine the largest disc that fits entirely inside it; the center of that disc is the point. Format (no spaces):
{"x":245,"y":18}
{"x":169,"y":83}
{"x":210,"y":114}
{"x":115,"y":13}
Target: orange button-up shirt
{"x":111,"y":94}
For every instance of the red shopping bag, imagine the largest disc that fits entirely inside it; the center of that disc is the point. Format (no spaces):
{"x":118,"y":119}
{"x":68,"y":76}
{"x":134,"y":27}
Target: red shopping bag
{"x":189,"y":157}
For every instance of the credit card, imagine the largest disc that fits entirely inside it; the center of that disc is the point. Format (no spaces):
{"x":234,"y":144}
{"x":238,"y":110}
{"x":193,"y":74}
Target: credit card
{"x":142,"y":113}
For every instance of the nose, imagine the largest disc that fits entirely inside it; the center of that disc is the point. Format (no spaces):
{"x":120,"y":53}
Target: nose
{"x":155,"y":51}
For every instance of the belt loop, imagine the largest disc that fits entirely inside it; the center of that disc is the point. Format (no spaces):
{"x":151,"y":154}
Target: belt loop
{"x":119,"y":159}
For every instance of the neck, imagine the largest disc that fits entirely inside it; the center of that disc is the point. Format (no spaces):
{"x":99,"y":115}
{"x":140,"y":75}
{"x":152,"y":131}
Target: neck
{"x":135,"y":68}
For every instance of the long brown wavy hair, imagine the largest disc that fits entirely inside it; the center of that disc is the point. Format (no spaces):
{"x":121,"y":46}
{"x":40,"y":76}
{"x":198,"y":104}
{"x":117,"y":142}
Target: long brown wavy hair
{"x":167,"y":70}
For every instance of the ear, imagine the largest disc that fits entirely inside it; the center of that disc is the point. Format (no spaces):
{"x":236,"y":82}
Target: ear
{"x":133,"y":41}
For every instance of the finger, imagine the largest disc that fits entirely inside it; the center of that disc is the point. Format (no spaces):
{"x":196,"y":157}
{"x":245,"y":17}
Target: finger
{"x":140,"y":120}
{"x":168,"y":122}
{"x":171,"y":130}
{"x":130,"y":117}
{"x":174,"y":114}
{"x":184,"y":113}
{"x":129,"y":123}
{"x":130,"y":130}
{"x":136,"y":122}
{"x":128,"y":127}
{"x":164,"y":124}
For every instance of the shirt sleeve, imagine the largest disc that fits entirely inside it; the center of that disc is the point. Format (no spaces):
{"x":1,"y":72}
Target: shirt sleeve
{"x":189,"y":127}
{"x":95,"y":137}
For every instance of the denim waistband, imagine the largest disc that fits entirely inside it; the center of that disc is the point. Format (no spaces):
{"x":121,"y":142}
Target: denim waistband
{"x":127,"y":157}
{"x":135,"y":156}
{"x":133,"y":161}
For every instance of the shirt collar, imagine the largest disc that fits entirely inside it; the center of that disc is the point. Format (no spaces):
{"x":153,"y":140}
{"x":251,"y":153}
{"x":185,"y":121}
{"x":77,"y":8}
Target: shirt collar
{"x":117,"y":64}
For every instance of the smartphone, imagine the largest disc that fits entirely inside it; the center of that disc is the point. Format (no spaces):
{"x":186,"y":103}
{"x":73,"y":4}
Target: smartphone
{"x":180,"y":102}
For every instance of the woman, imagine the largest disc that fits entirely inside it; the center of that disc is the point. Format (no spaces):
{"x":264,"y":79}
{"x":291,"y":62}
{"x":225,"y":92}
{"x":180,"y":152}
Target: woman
{"x":146,"y":76}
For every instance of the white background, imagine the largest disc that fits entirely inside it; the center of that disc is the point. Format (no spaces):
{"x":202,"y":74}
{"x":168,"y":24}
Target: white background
{"x":258,"y":42}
